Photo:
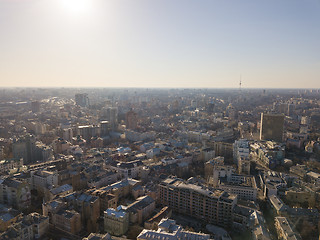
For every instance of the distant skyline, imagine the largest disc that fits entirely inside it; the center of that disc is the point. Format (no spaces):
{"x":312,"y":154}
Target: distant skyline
{"x":160,"y":43}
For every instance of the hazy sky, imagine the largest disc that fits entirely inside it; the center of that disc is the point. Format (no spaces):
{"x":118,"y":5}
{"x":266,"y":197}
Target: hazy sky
{"x":160,"y":43}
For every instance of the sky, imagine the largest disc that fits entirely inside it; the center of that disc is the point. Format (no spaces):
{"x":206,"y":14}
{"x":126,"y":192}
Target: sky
{"x":160,"y":43}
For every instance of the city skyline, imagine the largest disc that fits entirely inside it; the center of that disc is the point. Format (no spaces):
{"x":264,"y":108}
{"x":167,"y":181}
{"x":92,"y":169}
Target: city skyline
{"x":159,"y":44}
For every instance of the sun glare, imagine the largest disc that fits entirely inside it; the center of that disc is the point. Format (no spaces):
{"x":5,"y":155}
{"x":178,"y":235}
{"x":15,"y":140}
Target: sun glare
{"x":76,"y":7}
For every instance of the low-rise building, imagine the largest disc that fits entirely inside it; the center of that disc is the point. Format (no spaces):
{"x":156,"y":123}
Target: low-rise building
{"x":97,"y":236}
{"x":153,"y":222}
{"x":8,"y":216}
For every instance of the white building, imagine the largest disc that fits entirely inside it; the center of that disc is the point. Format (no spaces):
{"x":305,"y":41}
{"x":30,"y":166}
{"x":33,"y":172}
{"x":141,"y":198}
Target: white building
{"x":241,"y":149}
{"x":42,"y":179}
{"x":131,"y":169}
{"x":243,"y":186}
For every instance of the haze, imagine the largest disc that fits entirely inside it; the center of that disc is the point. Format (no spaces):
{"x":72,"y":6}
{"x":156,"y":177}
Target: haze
{"x":159,"y":43}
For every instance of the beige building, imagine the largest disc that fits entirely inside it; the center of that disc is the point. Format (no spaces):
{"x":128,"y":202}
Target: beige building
{"x":106,"y":198}
{"x":31,"y":226}
{"x":213,"y":206}
{"x":116,"y":221}
{"x":141,"y":209}
{"x":153,"y":222}
{"x":97,"y":236}
{"x":89,"y":209}
{"x":68,"y":221}
{"x":122,"y":188}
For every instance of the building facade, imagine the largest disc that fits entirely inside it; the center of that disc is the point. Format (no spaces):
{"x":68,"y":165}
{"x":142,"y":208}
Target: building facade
{"x":271,"y":127}
{"x":215,"y":207}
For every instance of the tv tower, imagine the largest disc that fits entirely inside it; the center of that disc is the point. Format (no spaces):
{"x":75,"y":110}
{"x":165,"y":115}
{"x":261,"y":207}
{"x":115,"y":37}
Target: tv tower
{"x":240,"y":84}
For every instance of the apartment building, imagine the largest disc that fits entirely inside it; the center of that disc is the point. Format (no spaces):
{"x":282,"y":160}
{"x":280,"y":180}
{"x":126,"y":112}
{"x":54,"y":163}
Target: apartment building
{"x":116,"y":221}
{"x":241,"y":149}
{"x":106,"y":198}
{"x":209,"y":166}
{"x":42,"y":179}
{"x":68,"y":221}
{"x":128,"y":169}
{"x":243,"y":186}
{"x":168,"y":229}
{"x":213,"y":206}
{"x":8,"y":216}
{"x":141,"y":209}
{"x":31,"y":226}
{"x":15,"y":193}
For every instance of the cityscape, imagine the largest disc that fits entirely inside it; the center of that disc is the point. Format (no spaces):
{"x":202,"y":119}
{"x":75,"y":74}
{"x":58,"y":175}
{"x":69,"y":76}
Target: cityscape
{"x":159,"y":120}
{"x":159,"y":163}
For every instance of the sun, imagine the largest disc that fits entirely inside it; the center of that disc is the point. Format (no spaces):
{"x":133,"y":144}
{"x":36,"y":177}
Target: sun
{"x":76,"y":7}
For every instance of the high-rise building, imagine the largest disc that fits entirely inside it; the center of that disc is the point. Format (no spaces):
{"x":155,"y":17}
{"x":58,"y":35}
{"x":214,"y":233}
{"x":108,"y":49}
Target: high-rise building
{"x":271,"y":127}
{"x":68,"y":134}
{"x":110,"y":114}
{"x":82,"y":99}
{"x":131,"y":120}
{"x":104,"y":128}
{"x":35,"y":106}
{"x":213,"y":206}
